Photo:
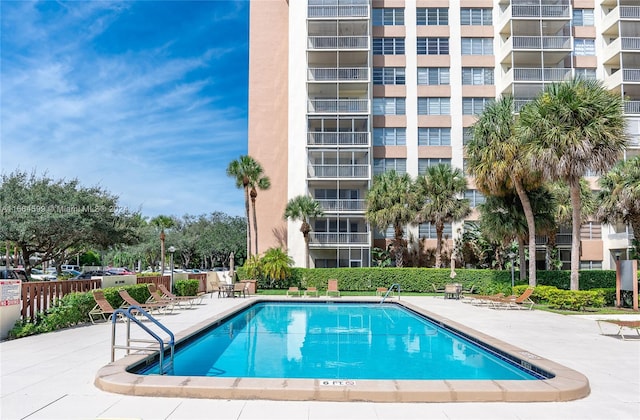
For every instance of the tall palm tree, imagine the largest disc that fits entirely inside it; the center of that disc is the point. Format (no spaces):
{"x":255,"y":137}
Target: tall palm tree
{"x":249,"y":175}
{"x":497,"y":160}
{"x":303,"y":208}
{"x":438,"y":192}
{"x":162,"y":222}
{"x":619,"y":196}
{"x":571,"y":128}
{"x":392,"y":201}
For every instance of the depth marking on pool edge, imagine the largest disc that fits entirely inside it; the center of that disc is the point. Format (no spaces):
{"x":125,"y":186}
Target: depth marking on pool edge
{"x":334,"y":382}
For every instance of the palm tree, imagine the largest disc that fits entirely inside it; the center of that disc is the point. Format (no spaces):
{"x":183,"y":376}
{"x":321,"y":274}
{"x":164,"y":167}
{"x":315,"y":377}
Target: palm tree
{"x":392,"y":201}
{"x":497,"y":160}
{"x":569,"y":129}
{"x":303,"y":208}
{"x":276,"y":265}
{"x":249,"y":176}
{"x":619,"y":196}
{"x":162,"y":222}
{"x":438,"y":192}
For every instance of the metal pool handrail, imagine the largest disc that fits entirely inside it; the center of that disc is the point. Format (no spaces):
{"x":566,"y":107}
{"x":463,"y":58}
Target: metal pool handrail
{"x":127,"y":313}
{"x":397,"y":286}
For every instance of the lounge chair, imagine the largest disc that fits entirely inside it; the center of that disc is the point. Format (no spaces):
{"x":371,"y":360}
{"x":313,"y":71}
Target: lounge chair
{"x":191,"y":300}
{"x":102,"y":308}
{"x":128,"y":301}
{"x":514,"y":302}
{"x":332,"y":287}
{"x":155,"y":296}
{"x":311,"y":291}
{"x":622,"y":327}
{"x":483,"y":300}
{"x":293,"y":290}
{"x":436,"y":289}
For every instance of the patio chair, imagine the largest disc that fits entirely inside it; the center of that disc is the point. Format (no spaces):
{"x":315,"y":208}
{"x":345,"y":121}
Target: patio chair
{"x":436,"y":289}
{"x":128,"y":301}
{"x":514,"y":302}
{"x":155,"y":296}
{"x":380,"y":291}
{"x":191,"y":300}
{"x":293,"y":290}
{"x":102,"y":308}
{"x":240,"y":289}
{"x":311,"y":291}
{"x":332,"y":287}
{"x":483,"y":300}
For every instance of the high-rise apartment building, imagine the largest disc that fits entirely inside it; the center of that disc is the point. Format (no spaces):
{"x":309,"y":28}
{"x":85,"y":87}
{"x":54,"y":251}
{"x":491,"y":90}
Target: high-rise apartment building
{"x":341,"y":90}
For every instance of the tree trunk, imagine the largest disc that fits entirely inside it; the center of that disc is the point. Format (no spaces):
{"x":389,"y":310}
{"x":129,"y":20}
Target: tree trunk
{"x":305,"y":229}
{"x":397,"y":245}
{"x":522,"y":258}
{"x":246,"y":206}
{"x":254,"y":194}
{"x":162,"y":252}
{"x":576,"y":202}
{"x":439,"y":230}
{"x":531,"y":226}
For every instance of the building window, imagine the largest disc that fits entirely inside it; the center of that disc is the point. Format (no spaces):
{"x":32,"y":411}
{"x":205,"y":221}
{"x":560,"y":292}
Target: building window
{"x":582,"y":46}
{"x":389,"y":136}
{"x":432,"y":16}
{"x":467,"y":135}
{"x":590,"y":265}
{"x":434,"y":106}
{"x":583,"y":17}
{"x":434,"y":136}
{"x":474,"y":106}
{"x":389,"y":106}
{"x":384,"y":165}
{"x":424,"y":164}
{"x":433,"y":75}
{"x":477,"y":46}
{"x":587,"y":74}
{"x":433,"y":46}
{"x":591,"y":230}
{"x":477,"y":76}
{"x":388,"y":46}
{"x":475,"y":198}
{"x":388,"y":76}
{"x":428,"y":231}
{"x":479,"y":17}
{"x":388,"y":17}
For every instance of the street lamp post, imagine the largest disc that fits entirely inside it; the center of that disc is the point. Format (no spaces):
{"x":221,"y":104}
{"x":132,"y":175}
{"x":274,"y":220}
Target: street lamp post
{"x":172,"y":251}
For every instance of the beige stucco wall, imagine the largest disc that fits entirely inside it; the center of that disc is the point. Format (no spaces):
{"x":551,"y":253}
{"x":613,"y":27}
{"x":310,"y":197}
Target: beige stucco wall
{"x":268,"y":93}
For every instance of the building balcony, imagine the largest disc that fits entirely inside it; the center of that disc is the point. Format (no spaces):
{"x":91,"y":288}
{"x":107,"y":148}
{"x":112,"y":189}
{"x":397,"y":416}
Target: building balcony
{"x":338,"y":171}
{"x":346,"y":8}
{"x":615,"y":80}
{"x":338,"y":106}
{"x":338,"y":74}
{"x":336,"y":238}
{"x":541,"y":10}
{"x":518,"y":104}
{"x":541,"y":42}
{"x":623,"y":44}
{"x":338,"y":42}
{"x":342,"y":205}
{"x":338,"y":139}
{"x":632,"y":107}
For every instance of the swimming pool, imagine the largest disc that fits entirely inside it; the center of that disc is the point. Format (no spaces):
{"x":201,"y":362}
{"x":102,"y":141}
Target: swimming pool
{"x":331,"y":340}
{"x":563,"y":384}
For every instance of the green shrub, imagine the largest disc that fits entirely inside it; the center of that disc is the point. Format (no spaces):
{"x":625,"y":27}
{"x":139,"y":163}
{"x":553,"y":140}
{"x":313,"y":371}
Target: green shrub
{"x":186,"y":287}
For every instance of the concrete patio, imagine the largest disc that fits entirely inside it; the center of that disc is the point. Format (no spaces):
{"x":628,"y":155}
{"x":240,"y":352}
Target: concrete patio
{"x":51,"y":376}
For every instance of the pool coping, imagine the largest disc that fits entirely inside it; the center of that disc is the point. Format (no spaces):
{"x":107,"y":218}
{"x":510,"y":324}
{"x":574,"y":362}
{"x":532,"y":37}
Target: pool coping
{"x":566,"y":385}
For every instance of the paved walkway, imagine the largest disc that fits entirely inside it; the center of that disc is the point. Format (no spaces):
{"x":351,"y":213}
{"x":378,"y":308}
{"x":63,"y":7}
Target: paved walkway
{"x":50,"y":376}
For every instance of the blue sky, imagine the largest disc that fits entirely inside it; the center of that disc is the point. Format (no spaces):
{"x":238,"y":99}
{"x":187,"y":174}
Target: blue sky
{"x":146,"y":99}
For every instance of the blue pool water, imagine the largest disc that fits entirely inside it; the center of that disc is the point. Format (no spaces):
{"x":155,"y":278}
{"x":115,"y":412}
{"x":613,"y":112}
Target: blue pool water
{"x":337,"y":341}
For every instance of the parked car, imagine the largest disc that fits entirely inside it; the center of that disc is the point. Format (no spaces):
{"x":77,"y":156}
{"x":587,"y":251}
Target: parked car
{"x":39,"y":275}
{"x":121,"y":271}
{"x":13,"y":274}
{"x":93,"y":273}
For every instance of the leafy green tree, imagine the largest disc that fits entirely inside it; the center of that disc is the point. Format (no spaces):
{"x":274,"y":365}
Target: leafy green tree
{"x":392,"y":201}
{"x":569,"y":129}
{"x":303,"y":208}
{"x":276,"y":265}
{"x":55,"y":217}
{"x":162,"y":222}
{"x":619,"y":196}
{"x":500,"y":165}
{"x":249,"y":176}
{"x":438,"y":192}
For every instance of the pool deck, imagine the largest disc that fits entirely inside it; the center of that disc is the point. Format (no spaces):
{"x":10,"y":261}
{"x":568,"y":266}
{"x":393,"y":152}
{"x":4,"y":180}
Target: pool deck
{"x":51,"y":376}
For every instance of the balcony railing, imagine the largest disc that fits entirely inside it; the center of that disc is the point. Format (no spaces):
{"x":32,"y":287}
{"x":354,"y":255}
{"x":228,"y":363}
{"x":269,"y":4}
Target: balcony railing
{"x":544,"y":10}
{"x":335,"y":139}
{"x":338,"y":171}
{"x":630,"y":12}
{"x":342,"y":205}
{"x":322,"y":11}
{"x":629,"y":43}
{"x":541,"y":75}
{"x":338,"y":42}
{"x":338,"y":74}
{"x":338,"y":105}
{"x":631,"y":75}
{"x":632,"y":107}
{"x":542,"y":42}
{"x":518,"y":104}
{"x":339,"y":238}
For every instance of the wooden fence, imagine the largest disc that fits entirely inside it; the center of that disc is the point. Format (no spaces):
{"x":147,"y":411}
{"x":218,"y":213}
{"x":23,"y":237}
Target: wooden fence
{"x":38,"y":296}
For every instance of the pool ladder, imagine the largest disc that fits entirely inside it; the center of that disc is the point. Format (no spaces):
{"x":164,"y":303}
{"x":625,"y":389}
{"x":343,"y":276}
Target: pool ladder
{"x":397,"y":286}
{"x":162,"y":345}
